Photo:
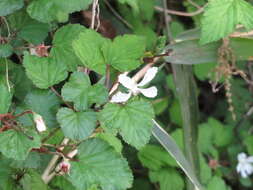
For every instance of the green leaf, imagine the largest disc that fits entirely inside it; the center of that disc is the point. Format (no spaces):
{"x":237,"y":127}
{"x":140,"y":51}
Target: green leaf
{"x":5,"y":50}
{"x":190,"y":52}
{"x":61,"y":183}
{"x":45,"y":103}
{"x":80,"y":91}
{"x":202,"y":71}
{"x":155,"y":157}
{"x":62,"y":50}
{"x":88,"y":48}
{"x":174,"y":150}
{"x":32,"y":180}
{"x":223,"y":135}
{"x":222,"y":16}
{"x":14,"y":144}
{"x":33,"y":160}
{"x":146,"y":9}
{"x":9,"y":6}
{"x":44,"y":71}
{"x":168,"y":178}
{"x":216,"y":183}
{"x":55,"y":10}
{"x":100,"y":164}
{"x":124,"y":52}
{"x":6,"y":173}
{"x":131,"y":3}
{"x":34,"y":32}
{"x":76,"y":125}
{"x":248,"y":142}
{"x":27,"y":28}
{"x":205,"y":171}
{"x":133,"y":121}
{"x":5,"y":96}
{"x":111,"y":140}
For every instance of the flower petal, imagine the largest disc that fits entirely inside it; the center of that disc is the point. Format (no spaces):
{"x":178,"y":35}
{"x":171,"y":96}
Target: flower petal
{"x":241,"y":157}
{"x":149,"y":92}
{"x":126,"y":81}
{"x":150,"y":74}
{"x":120,"y":97}
{"x":250,"y":159}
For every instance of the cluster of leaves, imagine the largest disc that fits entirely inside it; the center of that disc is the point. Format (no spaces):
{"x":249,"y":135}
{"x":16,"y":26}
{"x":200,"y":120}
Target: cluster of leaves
{"x":68,"y":82}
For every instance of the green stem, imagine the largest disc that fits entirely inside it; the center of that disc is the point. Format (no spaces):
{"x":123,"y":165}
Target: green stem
{"x":187,"y":95}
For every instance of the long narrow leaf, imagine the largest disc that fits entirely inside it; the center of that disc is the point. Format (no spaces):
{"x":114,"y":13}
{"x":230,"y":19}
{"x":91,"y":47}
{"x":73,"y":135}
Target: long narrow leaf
{"x":173,"y":149}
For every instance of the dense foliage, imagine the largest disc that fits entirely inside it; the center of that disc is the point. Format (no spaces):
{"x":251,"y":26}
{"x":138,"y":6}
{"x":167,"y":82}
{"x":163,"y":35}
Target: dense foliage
{"x":75,"y":113}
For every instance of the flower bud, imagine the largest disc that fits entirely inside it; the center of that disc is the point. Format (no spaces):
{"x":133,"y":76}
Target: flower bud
{"x":40,"y":124}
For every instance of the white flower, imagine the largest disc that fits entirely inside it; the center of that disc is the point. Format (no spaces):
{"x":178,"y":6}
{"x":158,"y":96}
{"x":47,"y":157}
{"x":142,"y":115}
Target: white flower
{"x":134,"y":88}
{"x":244,"y":166}
{"x":40,"y":124}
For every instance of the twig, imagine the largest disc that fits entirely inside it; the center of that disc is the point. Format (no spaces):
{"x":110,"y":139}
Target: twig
{"x":95,"y":15}
{"x":57,"y":94}
{"x":45,"y":176}
{"x":117,"y":15}
{"x":194,"y":4}
{"x":241,"y":34}
{"x":179,"y":13}
{"x":7,"y":75}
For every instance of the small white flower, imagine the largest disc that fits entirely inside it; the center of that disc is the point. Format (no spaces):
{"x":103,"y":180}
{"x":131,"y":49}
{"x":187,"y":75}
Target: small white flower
{"x":40,"y":124}
{"x":244,"y":166}
{"x":134,"y":88}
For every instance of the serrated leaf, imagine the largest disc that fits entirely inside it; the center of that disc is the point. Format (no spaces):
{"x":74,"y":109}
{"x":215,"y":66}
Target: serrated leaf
{"x":112,"y":140}
{"x":154,"y":157}
{"x":132,"y":120}
{"x":32,"y":180}
{"x":44,"y":71}
{"x":9,"y":6}
{"x":124,"y":52}
{"x":76,"y":125}
{"x":87,"y":47}
{"x":5,"y":50}
{"x":55,"y":10}
{"x":27,"y":28}
{"x":168,"y":178}
{"x":6,"y":173}
{"x":35,"y":32}
{"x":62,"y":49}
{"x":14,"y":144}
{"x":45,"y":103}
{"x":222,"y":16}
{"x":80,"y":91}
{"x":99,"y":164}
{"x":61,"y":183}
{"x":5,"y":96}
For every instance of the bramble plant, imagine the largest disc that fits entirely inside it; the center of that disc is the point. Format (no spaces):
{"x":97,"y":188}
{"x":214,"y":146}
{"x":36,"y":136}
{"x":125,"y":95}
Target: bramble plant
{"x":118,"y":94}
